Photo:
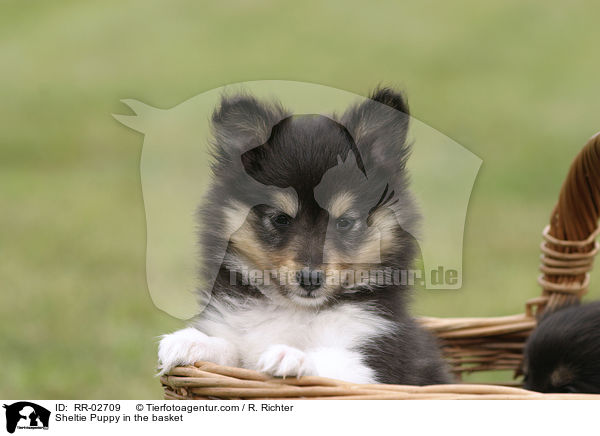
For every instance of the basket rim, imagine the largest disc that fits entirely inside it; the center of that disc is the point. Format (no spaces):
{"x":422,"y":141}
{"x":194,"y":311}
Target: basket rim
{"x":207,"y":380}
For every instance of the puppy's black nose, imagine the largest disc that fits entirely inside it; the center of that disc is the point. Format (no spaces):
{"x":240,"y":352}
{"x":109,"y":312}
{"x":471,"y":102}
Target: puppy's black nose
{"x":310,"y":279}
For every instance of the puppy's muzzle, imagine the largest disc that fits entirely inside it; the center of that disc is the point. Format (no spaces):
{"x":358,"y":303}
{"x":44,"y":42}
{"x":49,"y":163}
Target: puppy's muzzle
{"x":310,"y":279}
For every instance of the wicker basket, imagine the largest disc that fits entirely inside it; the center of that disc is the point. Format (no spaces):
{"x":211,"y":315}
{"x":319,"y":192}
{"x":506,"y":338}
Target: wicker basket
{"x":469,"y":344}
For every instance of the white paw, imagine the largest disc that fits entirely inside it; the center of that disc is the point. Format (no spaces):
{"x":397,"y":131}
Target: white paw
{"x":187,"y":346}
{"x":342,"y":364}
{"x":283,"y":361}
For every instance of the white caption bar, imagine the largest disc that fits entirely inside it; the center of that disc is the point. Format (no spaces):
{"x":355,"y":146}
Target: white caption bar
{"x":296,"y":417}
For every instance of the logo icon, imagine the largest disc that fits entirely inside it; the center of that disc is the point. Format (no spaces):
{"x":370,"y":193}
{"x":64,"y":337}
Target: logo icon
{"x":26,"y":415}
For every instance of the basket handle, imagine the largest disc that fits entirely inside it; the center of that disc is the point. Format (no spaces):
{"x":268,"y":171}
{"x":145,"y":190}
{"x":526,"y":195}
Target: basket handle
{"x":569,"y":244}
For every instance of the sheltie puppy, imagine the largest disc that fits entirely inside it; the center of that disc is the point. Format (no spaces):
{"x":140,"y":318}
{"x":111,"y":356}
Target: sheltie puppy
{"x":562,"y":354}
{"x":307,"y":238}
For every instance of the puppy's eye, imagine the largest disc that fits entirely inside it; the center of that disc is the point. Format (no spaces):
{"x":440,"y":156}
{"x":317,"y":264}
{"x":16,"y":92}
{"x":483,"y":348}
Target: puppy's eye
{"x":344,"y":224}
{"x":281,"y":220}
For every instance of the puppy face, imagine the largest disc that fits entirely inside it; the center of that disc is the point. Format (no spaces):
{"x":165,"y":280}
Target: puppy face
{"x":333,"y":208}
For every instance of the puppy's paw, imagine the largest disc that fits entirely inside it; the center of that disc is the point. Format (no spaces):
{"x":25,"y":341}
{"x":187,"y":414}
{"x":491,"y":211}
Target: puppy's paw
{"x":342,"y":364}
{"x":184,"y":347}
{"x":283,"y":361}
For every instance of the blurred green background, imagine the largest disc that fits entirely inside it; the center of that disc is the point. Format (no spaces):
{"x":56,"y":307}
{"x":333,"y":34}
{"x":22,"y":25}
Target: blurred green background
{"x":516,"y":82}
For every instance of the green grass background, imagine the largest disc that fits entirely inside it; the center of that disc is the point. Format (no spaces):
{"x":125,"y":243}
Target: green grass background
{"x":516,"y":82}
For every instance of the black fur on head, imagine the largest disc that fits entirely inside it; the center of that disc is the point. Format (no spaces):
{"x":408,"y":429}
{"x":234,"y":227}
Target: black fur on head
{"x":379,"y":126}
{"x":240,"y":123}
{"x":563,"y":353}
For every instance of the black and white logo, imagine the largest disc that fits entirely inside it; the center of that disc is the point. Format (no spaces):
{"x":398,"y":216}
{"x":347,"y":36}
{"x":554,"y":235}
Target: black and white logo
{"x":26,"y":415}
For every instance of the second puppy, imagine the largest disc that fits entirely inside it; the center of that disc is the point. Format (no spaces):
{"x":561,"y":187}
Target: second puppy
{"x":563,"y":352}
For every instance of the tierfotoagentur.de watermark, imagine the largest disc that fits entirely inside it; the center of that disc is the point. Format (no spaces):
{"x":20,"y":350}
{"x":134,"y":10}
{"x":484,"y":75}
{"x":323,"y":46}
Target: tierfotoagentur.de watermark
{"x":347,"y":278}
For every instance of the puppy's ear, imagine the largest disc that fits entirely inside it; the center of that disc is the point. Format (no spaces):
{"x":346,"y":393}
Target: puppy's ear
{"x":379,"y":127}
{"x":241,"y":122}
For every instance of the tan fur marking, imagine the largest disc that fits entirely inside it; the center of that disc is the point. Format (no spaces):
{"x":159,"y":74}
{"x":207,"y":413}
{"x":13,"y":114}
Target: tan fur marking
{"x":340,"y":204}
{"x":385,"y":221}
{"x":244,"y":240}
{"x":286,"y":202}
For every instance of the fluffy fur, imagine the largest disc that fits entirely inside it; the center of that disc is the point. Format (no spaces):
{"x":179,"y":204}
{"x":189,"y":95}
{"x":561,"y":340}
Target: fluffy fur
{"x":563,"y":353}
{"x":301,"y":197}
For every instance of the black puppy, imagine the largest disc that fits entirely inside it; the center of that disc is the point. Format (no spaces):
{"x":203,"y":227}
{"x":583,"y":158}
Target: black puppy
{"x":563,"y":353}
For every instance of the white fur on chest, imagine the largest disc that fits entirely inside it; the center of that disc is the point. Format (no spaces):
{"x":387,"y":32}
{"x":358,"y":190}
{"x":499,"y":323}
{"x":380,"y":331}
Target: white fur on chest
{"x":331,"y":337}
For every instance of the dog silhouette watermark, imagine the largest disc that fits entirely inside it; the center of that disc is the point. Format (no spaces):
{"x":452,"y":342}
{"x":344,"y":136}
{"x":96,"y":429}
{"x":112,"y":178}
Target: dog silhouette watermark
{"x":175,"y":173}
